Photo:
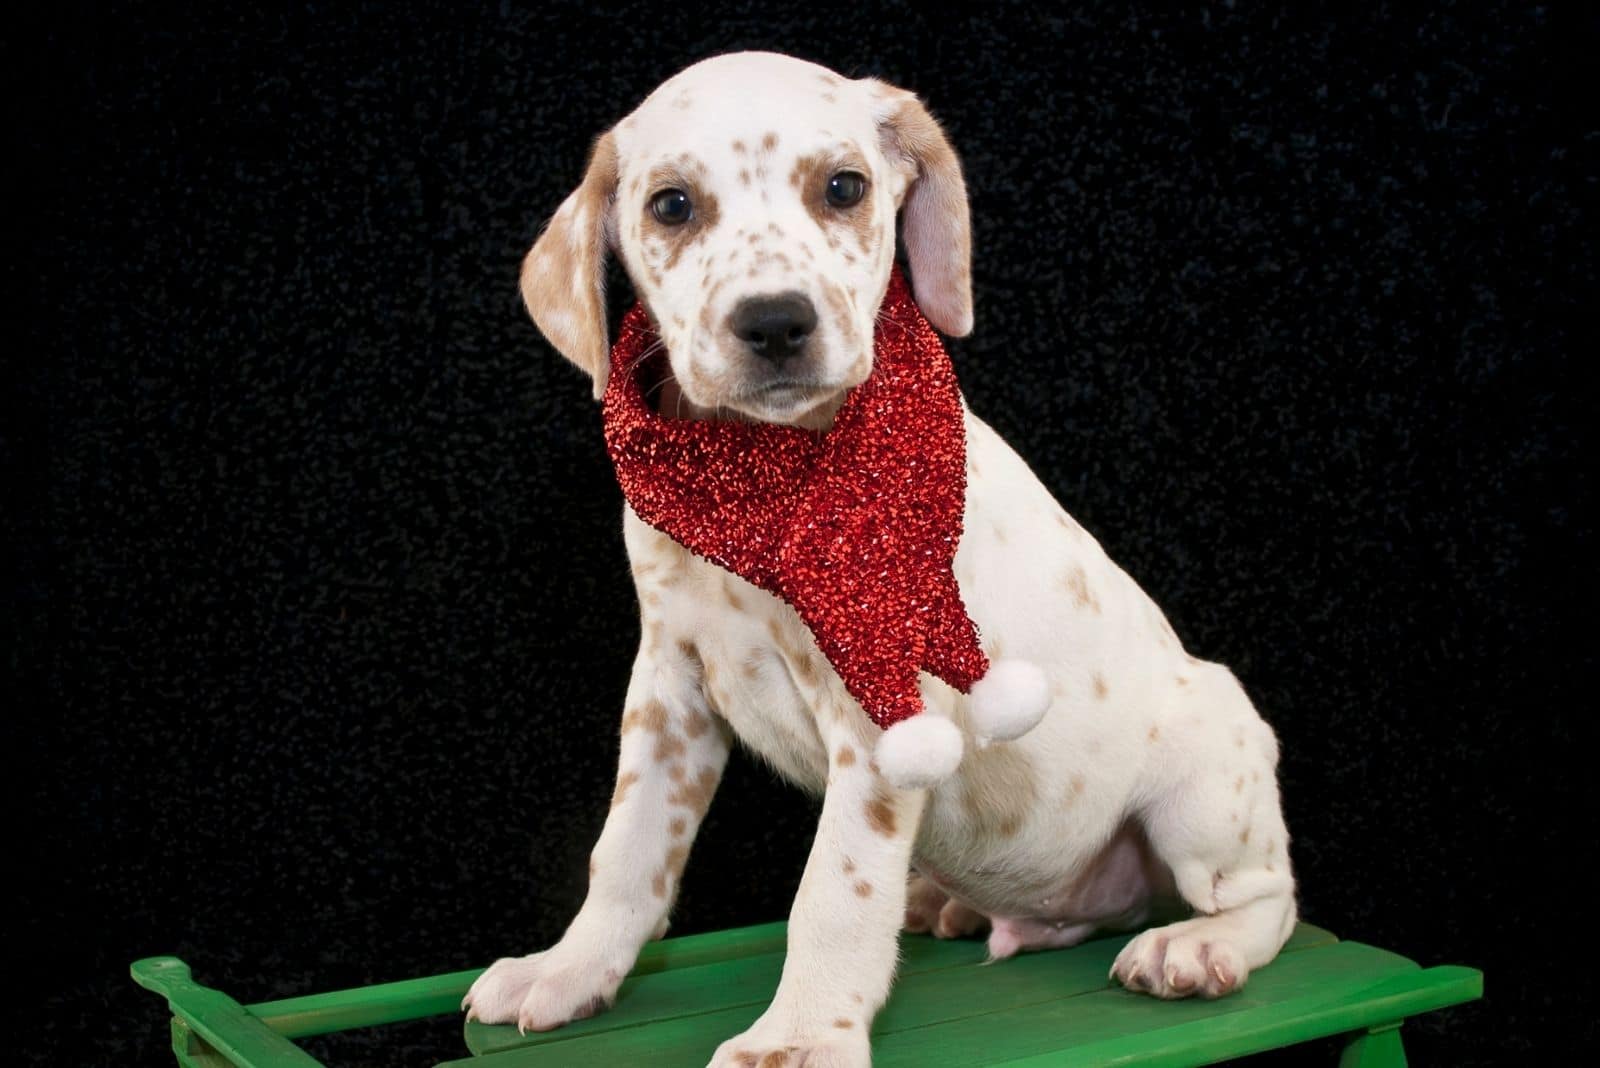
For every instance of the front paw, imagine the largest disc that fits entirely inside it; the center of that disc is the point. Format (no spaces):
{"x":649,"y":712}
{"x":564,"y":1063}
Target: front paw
{"x":542,"y":991}
{"x":773,"y":1046}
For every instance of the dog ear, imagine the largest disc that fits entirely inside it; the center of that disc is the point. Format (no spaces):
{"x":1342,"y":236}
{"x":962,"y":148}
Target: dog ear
{"x":936,"y":225}
{"x":563,"y":275}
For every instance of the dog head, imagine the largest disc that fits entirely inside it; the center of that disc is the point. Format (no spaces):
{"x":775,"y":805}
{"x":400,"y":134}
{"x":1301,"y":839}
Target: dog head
{"x":752,"y":200}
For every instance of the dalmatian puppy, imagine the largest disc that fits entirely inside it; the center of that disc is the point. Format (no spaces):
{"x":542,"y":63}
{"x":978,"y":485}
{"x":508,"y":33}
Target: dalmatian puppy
{"x":753,"y":199}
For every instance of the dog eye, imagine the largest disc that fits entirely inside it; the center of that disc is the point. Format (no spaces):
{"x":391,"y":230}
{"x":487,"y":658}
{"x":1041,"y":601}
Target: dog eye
{"x":846,"y":189}
{"x":672,"y":207}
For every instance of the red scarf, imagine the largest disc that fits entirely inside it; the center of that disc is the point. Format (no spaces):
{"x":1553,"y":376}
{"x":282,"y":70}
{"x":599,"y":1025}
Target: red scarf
{"x":856,"y":527}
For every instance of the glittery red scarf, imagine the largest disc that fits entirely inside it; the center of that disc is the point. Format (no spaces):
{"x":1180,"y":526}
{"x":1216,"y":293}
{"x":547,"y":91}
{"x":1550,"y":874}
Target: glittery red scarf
{"x":856,"y":528}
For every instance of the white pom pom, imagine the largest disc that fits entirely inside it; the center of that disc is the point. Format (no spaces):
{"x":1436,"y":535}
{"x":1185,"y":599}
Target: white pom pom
{"x":1009,"y":701}
{"x":919,"y":752}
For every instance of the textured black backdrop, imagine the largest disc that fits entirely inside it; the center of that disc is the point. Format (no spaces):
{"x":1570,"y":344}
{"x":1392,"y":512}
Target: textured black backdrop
{"x":321,"y":620}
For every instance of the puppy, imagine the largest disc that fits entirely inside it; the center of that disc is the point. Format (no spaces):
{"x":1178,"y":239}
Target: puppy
{"x":1151,"y":779}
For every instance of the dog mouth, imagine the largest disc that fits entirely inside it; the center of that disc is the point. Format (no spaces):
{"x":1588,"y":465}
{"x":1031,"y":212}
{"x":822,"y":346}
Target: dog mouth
{"x":783,"y":398}
{"x":782,"y":390}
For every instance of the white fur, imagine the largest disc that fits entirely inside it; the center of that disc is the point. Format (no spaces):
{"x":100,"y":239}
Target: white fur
{"x":1149,"y":779}
{"x":919,"y":752}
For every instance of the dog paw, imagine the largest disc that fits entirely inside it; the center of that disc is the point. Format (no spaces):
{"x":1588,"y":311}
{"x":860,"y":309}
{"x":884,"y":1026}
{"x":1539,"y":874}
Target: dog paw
{"x":542,"y":991}
{"x":764,"y":1047}
{"x":1180,"y":965}
{"x":924,"y":902}
{"x":929,"y":910}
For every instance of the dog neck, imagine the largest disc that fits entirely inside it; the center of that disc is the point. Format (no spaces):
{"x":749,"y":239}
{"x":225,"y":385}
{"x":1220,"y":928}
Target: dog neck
{"x":856,"y":528}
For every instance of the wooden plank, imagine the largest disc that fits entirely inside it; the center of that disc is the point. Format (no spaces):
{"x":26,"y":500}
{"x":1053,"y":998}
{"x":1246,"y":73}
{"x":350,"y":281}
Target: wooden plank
{"x":692,"y":990}
{"x":1115,"y":1027}
{"x":1286,"y":1022}
{"x":967,"y":991}
{"x":366,"y":1006}
{"x":711,"y":946}
{"x":226,"y":1027}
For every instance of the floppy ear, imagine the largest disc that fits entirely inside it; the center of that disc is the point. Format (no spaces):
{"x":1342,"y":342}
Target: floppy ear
{"x":936,"y":225}
{"x":563,"y":275}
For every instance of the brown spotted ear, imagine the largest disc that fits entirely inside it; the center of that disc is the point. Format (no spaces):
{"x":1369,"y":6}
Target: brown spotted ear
{"x":563,"y":275}
{"x":936,"y":225}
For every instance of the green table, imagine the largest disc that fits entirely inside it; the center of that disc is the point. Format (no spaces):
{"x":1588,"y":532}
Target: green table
{"x":948,"y":1009}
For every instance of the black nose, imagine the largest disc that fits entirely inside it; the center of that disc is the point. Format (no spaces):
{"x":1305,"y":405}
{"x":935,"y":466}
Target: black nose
{"x":775,"y":328}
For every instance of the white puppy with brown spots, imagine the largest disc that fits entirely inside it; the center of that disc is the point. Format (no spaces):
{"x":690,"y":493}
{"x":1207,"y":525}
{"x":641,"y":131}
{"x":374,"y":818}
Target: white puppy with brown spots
{"x":753,"y":200}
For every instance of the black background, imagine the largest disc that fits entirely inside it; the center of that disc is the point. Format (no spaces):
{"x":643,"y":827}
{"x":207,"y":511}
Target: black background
{"x":321,"y":619}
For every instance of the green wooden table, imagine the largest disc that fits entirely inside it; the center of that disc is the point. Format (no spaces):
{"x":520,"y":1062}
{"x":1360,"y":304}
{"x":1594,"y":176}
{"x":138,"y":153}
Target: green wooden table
{"x":948,"y":1009}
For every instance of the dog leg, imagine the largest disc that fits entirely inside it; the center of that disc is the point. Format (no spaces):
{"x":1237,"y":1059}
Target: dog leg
{"x":672,"y":755}
{"x":844,"y":927}
{"x":1221,"y":832}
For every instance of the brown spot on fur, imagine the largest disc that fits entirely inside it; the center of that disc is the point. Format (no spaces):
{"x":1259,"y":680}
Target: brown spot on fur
{"x":842,"y":1024}
{"x":1155,"y":733}
{"x":846,"y":756}
{"x":658,"y":884}
{"x":775,"y":1059}
{"x":839,"y":305}
{"x":1182,"y":681}
{"x":668,"y":745}
{"x":689,"y":651}
{"x":678,"y":826}
{"x":704,"y":212}
{"x":770,"y":141}
{"x":1077,"y":584}
{"x":625,"y":780}
{"x":652,"y":716}
{"x":849,"y":866}
{"x":880,"y":815}
{"x":1075,"y":791}
{"x":676,"y":856}
{"x":1244,"y":836}
{"x":810,"y":175}
{"x":1238,"y":785}
{"x":1100,"y":687}
{"x":696,"y":724}
{"x":696,"y":796}
{"x":738,"y":146}
{"x":863,"y":889}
